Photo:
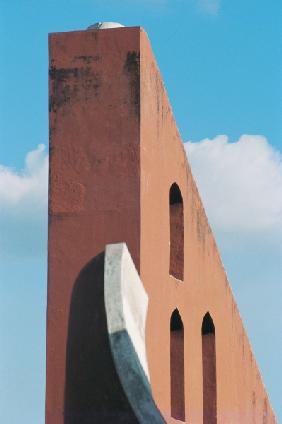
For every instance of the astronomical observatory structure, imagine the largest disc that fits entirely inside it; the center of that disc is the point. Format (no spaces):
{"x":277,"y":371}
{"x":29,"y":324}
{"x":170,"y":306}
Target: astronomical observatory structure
{"x":142,"y":326}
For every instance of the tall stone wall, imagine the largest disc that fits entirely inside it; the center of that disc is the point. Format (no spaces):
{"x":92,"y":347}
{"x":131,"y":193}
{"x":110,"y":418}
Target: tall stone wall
{"x":115,"y":152}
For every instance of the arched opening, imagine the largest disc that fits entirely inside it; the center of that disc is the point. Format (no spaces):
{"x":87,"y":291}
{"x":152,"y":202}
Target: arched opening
{"x":209,"y":371}
{"x":176,"y":265}
{"x":177,"y":394}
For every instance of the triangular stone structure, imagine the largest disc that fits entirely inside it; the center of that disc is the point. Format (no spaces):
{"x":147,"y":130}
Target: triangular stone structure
{"x":119,"y":173}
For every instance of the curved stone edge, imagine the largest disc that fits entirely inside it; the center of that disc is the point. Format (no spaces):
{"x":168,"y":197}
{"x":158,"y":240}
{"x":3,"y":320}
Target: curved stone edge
{"x":126,"y":303}
{"x":105,"y":25}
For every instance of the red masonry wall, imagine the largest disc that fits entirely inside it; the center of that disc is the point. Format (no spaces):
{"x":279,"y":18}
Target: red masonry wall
{"x":94,"y":182}
{"x":115,"y":151}
{"x":205,"y":286}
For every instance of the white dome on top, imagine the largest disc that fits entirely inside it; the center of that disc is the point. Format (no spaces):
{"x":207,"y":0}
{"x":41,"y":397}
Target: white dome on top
{"x":105,"y":25}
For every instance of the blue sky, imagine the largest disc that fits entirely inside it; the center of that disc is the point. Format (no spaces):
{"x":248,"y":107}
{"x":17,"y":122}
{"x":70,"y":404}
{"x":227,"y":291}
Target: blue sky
{"x":221,"y":63}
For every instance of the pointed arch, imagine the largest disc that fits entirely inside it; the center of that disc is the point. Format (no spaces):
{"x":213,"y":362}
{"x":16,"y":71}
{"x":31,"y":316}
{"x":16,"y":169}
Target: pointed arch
{"x":177,"y":390}
{"x":176,"y":218}
{"x":209,"y":370}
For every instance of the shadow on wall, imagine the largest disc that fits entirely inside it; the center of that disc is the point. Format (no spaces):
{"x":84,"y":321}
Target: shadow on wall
{"x":209,"y":370}
{"x":177,"y":366}
{"x":93,"y":392}
{"x":176,"y":218}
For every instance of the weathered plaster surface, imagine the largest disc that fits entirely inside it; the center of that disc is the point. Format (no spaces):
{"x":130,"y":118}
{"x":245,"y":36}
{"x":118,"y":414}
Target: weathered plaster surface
{"x":205,"y":286}
{"x":115,"y":151}
{"x":94,"y":179}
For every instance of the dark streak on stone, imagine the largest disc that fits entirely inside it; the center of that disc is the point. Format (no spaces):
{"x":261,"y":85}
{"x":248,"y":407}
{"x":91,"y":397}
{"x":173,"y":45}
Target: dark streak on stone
{"x":51,"y":149}
{"x":94,"y":34}
{"x":200,"y":226}
{"x":88,"y":59}
{"x":254,"y":399}
{"x":51,"y":132}
{"x":157,"y":93}
{"x":70,"y":84}
{"x":265,"y":412}
{"x":132,"y":67}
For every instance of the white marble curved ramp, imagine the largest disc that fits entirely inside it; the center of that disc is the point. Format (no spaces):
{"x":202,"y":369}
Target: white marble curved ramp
{"x":126,"y":305}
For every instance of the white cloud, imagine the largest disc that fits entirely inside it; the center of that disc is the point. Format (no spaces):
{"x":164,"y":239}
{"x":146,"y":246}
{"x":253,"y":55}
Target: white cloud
{"x":23,"y":205}
{"x":210,"y":7}
{"x":240,"y":184}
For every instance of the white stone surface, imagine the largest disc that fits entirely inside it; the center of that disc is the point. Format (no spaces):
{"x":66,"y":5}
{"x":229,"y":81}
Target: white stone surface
{"x":105,"y":25}
{"x":126,"y":300}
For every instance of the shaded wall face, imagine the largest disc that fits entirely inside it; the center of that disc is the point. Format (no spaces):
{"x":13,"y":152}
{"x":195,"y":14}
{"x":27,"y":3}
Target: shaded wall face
{"x":209,"y":379}
{"x":94,"y":195}
{"x":93,"y":392}
{"x":176,"y":265}
{"x":177,"y":374}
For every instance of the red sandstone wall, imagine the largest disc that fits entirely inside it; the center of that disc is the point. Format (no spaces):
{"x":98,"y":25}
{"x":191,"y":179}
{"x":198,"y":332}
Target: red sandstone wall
{"x":114,"y":153}
{"x":94,"y":179}
{"x":241,"y":397}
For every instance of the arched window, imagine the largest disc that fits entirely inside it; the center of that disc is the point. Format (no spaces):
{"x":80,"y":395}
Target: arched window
{"x":177,"y":394}
{"x":209,"y":371}
{"x":176,"y":232}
